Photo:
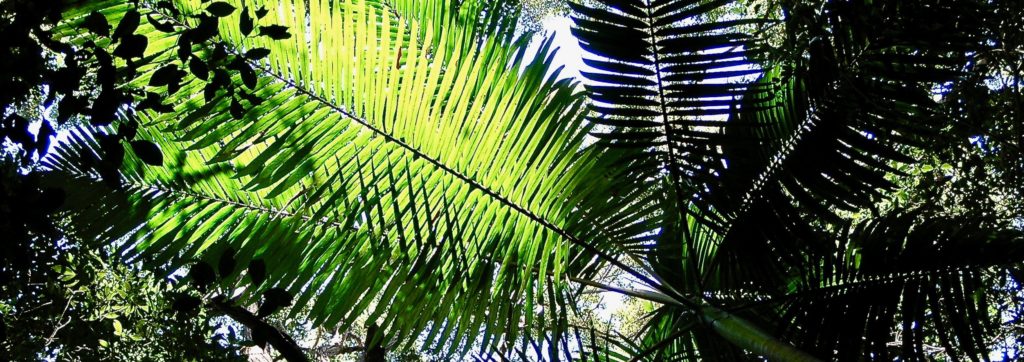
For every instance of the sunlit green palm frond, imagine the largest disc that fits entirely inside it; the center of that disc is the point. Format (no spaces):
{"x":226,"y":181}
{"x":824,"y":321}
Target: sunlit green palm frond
{"x":373,"y":176}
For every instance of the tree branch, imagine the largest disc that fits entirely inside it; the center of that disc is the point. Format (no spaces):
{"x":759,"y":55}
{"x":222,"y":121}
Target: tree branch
{"x":283,"y":343}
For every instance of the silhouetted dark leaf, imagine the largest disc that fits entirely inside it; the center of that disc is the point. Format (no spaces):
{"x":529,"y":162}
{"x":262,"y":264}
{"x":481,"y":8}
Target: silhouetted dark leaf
{"x":276,"y":32}
{"x":226,"y":264}
{"x":202,"y":275}
{"x":128,"y":130}
{"x":257,"y":271}
{"x":273,"y":300}
{"x":155,"y":102}
{"x":65,"y":80}
{"x":167,"y":5}
{"x":252,"y":98}
{"x":220,"y":8}
{"x":210,"y":91}
{"x":164,"y":76}
{"x":184,"y":303}
{"x":237,"y":111}
{"x":103,"y":108}
{"x":257,"y":53}
{"x":248,"y":77}
{"x":198,"y":68}
{"x":113,"y":151}
{"x":132,"y":46}
{"x":221,"y":78}
{"x":126,"y":27}
{"x":148,"y":152}
{"x":261,"y":12}
{"x":184,"y":48}
{"x":107,"y":74}
{"x":97,"y":23}
{"x":245,"y":23}
{"x":206,"y":29}
{"x":69,"y":106}
{"x":245,"y":71}
{"x":167,"y":27}
{"x":219,"y":53}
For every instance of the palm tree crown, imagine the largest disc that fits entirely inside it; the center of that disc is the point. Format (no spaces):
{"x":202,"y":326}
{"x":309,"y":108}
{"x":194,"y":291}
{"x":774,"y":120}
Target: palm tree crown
{"x":416,"y":163}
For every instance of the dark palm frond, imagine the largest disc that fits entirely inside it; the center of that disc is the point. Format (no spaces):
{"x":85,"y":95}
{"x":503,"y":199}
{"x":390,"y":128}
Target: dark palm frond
{"x":664,"y":83}
{"x":852,"y":109}
{"x":905,"y":285}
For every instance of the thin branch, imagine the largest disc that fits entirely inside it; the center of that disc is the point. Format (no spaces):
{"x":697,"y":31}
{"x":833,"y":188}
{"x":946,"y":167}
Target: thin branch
{"x":283,"y":343}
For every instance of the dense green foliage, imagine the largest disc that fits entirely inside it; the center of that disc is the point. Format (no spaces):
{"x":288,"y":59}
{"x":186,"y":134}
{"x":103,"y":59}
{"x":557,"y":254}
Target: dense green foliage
{"x":792,"y":180}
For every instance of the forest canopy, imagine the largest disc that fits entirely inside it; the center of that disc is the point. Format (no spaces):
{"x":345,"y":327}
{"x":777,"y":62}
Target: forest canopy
{"x":403,"y":180}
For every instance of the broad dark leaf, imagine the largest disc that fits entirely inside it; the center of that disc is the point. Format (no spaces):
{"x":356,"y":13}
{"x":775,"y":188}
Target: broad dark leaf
{"x":257,"y":271}
{"x":128,"y":129}
{"x":127,"y":26}
{"x":167,"y":27}
{"x":104,"y":107}
{"x":276,"y":32}
{"x":202,"y":275}
{"x":226,"y":264}
{"x":198,"y":68}
{"x":206,"y":29}
{"x":257,"y":53}
{"x":237,"y":111}
{"x":248,"y":77}
{"x":69,"y":106}
{"x":245,"y":71}
{"x":155,"y":102}
{"x":97,"y":23}
{"x":273,"y":300}
{"x":210,"y":91}
{"x":245,"y":23}
{"x":221,"y":78}
{"x":184,"y":48}
{"x":261,"y":12}
{"x":148,"y":152}
{"x":184,"y":303}
{"x":132,"y":46}
{"x":219,"y":53}
{"x":165,"y":75}
{"x":220,"y":8}
{"x":169,"y":6}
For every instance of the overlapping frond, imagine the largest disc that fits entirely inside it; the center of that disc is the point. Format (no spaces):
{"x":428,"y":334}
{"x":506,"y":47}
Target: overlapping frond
{"x":767,"y":167}
{"x":664,"y":83}
{"x":377,"y":176}
{"x":853,"y":109}
{"x":899,"y":283}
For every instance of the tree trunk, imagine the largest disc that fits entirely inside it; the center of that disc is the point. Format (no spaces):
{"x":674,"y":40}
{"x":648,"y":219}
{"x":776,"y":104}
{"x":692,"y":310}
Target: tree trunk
{"x":375,"y":351}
